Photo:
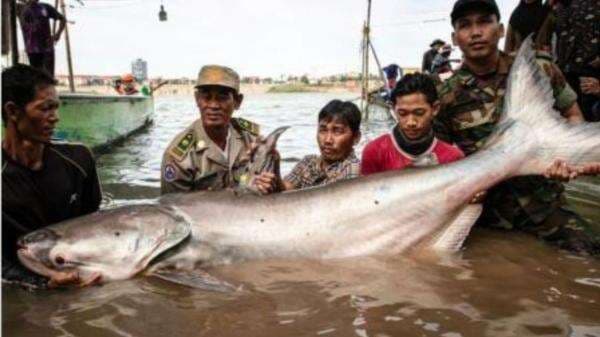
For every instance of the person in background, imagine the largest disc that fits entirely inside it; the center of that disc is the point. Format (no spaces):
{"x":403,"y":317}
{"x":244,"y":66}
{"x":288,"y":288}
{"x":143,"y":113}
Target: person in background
{"x":578,"y":50}
{"x":411,"y":143}
{"x":118,"y":86}
{"x":392,"y":72}
{"x":430,"y":55}
{"x":441,"y":63}
{"x":129,"y":86}
{"x":338,"y":131}
{"x":43,"y":182}
{"x":528,"y":19}
{"x":39,"y":40}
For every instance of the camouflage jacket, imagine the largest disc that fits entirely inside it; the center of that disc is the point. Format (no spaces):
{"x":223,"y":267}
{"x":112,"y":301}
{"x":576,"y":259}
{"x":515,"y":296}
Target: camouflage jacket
{"x":578,"y":32}
{"x":470,"y":109}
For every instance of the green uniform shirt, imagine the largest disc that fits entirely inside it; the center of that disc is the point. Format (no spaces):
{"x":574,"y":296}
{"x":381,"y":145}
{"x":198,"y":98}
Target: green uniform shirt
{"x":471,"y":108}
{"x":193,"y":162}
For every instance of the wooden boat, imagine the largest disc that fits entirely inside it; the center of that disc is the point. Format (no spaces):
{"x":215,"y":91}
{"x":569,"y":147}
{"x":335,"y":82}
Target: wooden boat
{"x":100,"y":121}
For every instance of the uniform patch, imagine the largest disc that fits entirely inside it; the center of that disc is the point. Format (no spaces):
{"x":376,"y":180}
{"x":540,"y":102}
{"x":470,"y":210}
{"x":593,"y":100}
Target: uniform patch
{"x":247,"y":125}
{"x":244,"y":179}
{"x":170,"y":173}
{"x":182,"y":148}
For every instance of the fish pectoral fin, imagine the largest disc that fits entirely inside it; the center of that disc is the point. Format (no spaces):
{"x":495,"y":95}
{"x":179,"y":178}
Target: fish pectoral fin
{"x":196,"y":278}
{"x":452,"y":238}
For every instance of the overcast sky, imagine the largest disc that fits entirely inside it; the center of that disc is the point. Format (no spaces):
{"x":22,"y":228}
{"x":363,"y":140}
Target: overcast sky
{"x":257,"y":38}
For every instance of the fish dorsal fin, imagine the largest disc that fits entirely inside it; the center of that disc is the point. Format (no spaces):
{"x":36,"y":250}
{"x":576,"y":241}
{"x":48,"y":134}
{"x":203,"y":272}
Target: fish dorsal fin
{"x":455,"y":233}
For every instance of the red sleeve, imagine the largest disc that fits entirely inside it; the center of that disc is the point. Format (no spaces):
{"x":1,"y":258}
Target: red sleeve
{"x":448,"y":153}
{"x":369,"y":163}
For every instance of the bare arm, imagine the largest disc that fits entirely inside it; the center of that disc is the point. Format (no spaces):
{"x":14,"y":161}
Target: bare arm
{"x":573,"y":114}
{"x":62,"y":22}
{"x":156,"y":87}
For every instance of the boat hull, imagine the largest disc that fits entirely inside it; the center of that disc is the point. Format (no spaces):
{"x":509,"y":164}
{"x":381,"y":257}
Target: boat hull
{"x":100,"y":121}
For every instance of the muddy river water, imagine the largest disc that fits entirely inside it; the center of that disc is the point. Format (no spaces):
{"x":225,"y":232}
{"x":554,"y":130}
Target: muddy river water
{"x":501,"y":284}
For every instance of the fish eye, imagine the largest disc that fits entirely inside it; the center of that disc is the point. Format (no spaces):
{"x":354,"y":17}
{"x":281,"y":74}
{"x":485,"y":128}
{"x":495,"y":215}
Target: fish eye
{"x":117,"y":233}
{"x":59,"y":260}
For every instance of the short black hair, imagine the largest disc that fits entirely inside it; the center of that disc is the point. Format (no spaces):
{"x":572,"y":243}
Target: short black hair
{"x":416,"y":83}
{"x":346,"y":111}
{"x":20,"y":83}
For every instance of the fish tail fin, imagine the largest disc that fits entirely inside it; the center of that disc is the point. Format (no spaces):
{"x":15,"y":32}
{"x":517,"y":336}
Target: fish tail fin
{"x":540,"y":130}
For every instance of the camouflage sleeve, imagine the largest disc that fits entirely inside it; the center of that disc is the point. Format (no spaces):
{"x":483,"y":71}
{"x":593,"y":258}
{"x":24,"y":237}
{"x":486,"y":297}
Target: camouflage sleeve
{"x":173,"y":177}
{"x":442,"y":126}
{"x":564,"y":95}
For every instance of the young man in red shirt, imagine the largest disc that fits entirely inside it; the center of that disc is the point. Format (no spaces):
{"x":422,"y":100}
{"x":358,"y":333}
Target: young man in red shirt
{"x":411,"y":143}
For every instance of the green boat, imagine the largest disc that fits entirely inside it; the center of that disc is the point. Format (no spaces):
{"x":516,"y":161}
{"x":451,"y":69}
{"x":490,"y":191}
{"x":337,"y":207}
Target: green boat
{"x":100,"y":121}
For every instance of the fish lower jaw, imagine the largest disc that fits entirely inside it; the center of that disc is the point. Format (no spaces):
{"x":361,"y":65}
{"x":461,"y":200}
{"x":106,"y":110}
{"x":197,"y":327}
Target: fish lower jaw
{"x":32,"y":264}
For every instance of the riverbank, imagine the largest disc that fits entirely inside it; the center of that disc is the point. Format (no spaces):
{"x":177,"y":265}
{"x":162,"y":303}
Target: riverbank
{"x":188,"y":90}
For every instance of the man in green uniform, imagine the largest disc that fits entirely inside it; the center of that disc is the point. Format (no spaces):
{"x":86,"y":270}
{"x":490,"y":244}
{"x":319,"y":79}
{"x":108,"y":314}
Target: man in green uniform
{"x":43,"y":182}
{"x":471,"y":107}
{"x":206,"y":155}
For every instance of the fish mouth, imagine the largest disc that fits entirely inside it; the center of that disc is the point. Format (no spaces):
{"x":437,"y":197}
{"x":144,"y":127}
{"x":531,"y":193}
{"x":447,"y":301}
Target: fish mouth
{"x":28,"y":259}
{"x":56,"y":277}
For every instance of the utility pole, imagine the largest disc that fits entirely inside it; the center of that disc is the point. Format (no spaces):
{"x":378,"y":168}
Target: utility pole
{"x":365,"y":67}
{"x":68,"y":45}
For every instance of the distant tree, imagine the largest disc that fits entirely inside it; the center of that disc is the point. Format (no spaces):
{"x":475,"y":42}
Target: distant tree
{"x":304,"y":79}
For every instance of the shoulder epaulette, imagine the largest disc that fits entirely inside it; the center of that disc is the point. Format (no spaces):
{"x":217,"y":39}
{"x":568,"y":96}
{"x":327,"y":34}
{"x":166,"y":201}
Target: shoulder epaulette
{"x":246,"y":125}
{"x":184,"y":145}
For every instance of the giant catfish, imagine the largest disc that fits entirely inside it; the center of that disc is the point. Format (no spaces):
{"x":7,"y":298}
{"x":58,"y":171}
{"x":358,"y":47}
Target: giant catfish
{"x":383,"y":214}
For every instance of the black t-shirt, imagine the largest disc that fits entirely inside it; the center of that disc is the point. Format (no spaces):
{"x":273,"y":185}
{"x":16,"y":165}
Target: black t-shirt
{"x":67,"y":186}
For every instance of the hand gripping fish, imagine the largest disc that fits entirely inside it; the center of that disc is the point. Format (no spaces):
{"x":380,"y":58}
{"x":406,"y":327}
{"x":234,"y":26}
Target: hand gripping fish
{"x":384,"y":214}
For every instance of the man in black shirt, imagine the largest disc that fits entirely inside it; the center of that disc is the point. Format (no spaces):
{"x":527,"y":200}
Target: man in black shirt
{"x":43,"y":182}
{"x":430,"y":55}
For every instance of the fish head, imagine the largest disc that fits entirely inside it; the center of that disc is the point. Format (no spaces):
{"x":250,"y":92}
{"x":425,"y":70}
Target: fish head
{"x":263,"y":158}
{"x":108,"y":245}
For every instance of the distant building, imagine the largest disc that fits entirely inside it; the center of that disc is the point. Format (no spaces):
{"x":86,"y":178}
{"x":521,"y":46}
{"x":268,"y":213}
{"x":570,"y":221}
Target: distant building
{"x":139,"y":69}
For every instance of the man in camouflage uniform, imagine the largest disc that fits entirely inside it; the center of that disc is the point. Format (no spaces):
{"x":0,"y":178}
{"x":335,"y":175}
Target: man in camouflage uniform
{"x":206,"y":155}
{"x":578,"y":49}
{"x":472,"y":102}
